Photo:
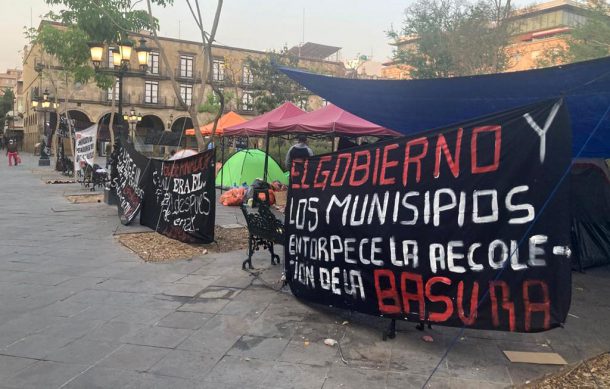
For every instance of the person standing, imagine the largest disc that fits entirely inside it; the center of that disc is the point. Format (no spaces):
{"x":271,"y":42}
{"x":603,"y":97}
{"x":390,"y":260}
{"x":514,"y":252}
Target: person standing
{"x":300,"y":150}
{"x":11,"y":151}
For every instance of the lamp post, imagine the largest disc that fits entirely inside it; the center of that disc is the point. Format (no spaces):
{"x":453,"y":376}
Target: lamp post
{"x":121,"y":59}
{"x":45,"y":105}
{"x":133,"y":121}
{"x":170,"y":121}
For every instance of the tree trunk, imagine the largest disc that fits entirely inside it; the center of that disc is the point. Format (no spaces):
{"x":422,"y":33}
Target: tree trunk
{"x":207,"y":70}
{"x":192,"y":110}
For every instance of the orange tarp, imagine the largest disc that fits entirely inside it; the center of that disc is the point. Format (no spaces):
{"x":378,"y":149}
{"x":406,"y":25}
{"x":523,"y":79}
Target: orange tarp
{"x":227,"y":120}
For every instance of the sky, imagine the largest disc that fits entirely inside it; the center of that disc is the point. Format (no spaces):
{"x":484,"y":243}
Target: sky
{"x":357,"y":26}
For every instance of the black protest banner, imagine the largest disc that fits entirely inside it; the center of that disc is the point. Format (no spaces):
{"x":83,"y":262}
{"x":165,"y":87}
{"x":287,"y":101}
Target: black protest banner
{"x":446,"y":226}
{"x":180,"y":201}
{"x":129,"y":175}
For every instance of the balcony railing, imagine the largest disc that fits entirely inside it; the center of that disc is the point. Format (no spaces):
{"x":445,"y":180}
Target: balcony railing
{"x":184,"y":76}
{"x":106,"y":98}
{"x":160,"y":101}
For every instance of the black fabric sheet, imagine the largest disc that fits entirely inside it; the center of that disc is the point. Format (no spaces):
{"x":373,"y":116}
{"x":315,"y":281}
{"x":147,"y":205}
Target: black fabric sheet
{"x":180,"y":198}
{"x":128,"y":177}
{"x":446,"y":226}
{"x":590,"y":206}
{"x":411,"y":106}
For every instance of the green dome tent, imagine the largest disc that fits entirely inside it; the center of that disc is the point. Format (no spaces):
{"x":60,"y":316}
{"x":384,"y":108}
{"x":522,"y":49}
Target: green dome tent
{"x":247,"y":165}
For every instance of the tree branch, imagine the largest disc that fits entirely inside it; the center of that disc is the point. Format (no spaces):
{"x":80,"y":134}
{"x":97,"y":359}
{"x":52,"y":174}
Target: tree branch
{"x":192,"y":111}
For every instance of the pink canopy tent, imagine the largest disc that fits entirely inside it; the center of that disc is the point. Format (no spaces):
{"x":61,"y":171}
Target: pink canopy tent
{"x":258,"y":125}
{"x":330,"y":120}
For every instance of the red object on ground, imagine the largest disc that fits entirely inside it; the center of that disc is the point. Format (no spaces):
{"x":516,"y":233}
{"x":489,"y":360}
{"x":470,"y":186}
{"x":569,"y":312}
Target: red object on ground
{"x":233,"y":197}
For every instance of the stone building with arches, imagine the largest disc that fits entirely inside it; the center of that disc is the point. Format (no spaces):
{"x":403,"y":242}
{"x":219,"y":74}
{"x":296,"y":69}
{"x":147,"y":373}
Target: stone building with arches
{"x":150,"y":94}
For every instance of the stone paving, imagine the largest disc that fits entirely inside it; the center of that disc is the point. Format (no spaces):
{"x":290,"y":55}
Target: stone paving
{"x":78,"y":310}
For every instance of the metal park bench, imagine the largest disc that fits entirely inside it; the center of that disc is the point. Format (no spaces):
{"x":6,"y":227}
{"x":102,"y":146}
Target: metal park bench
{"x":93,"y":176}
{"x":265,"y":230}
{"x":65,"y":166}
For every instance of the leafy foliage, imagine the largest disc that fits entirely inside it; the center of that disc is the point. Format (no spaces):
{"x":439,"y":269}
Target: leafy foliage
{"x":68,"y":46}
{"x":104,"y":20}
{"x":270,"y":88}
{"x":588,"y":40}
{"x":86,"y":21}
{"x":453,"y":38}
{"x":592,"y":39}
{"x":212,"y":105}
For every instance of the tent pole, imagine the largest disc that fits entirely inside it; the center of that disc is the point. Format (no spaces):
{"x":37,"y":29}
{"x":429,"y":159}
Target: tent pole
{"x":222,"y":160}
{"x":279,"y":150}
{"x":333,"y":135}
{"x":266,"y":156}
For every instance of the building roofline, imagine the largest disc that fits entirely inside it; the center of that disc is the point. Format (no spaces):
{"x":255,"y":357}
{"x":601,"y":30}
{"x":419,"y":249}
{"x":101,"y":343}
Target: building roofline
{"x":549,"y":5}
{"x":165,"y":38}
{"x":519,"y":13}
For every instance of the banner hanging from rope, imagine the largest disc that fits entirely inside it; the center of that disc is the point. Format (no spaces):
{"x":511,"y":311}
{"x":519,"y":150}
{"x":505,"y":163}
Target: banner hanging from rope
{"x":180,"y":199}
{"x":84,"y":146}
{"x":462,"y":226}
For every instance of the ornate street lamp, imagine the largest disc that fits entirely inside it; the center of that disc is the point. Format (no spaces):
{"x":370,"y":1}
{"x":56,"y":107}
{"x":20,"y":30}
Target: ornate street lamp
{"x":133,"y":121}
{"x":97,"y":52}
{"x":45,"y":105}
{"x":143,"y":53}
{"x":121,"y":59}
{"x":125,"y":48}
{"x":116,"y":57}
{"x":170,"y":121}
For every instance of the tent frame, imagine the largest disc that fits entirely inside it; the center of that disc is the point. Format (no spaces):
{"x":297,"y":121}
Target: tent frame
{"x":332,"y":134}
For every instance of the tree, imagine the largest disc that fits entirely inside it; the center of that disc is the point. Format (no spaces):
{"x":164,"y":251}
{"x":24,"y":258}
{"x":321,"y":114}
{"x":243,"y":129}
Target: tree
{"x":270,"y":87}
{"x":587,"y":40}
{"x":211,"y":105}
{"x":105,"y":21}
{"x":68,"y":47}
{"x":450,"y":38}
{"x":232,"y":77}
{"x":207,"y":40}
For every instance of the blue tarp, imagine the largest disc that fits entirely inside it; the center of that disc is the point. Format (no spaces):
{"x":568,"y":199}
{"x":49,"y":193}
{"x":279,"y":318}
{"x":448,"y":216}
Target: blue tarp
{"x":411,"y":106}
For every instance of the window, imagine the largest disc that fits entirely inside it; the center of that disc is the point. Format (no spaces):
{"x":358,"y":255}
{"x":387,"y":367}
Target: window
{"x":218,"y":70}
{"x":186,"y":66}
{"x":246,"y":76}
{"x":116,"y":91}
{"x":153,"y":62}
{"x":247,"y":101}
{"x":151,"y":92}
{"x":186,"y":92}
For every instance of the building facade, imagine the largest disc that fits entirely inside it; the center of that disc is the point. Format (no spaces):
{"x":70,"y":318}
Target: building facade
{"x":542,"y":28}
{"x":9,"y":80}
{"x":151,"y":93}
{"x":535,"y":31}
